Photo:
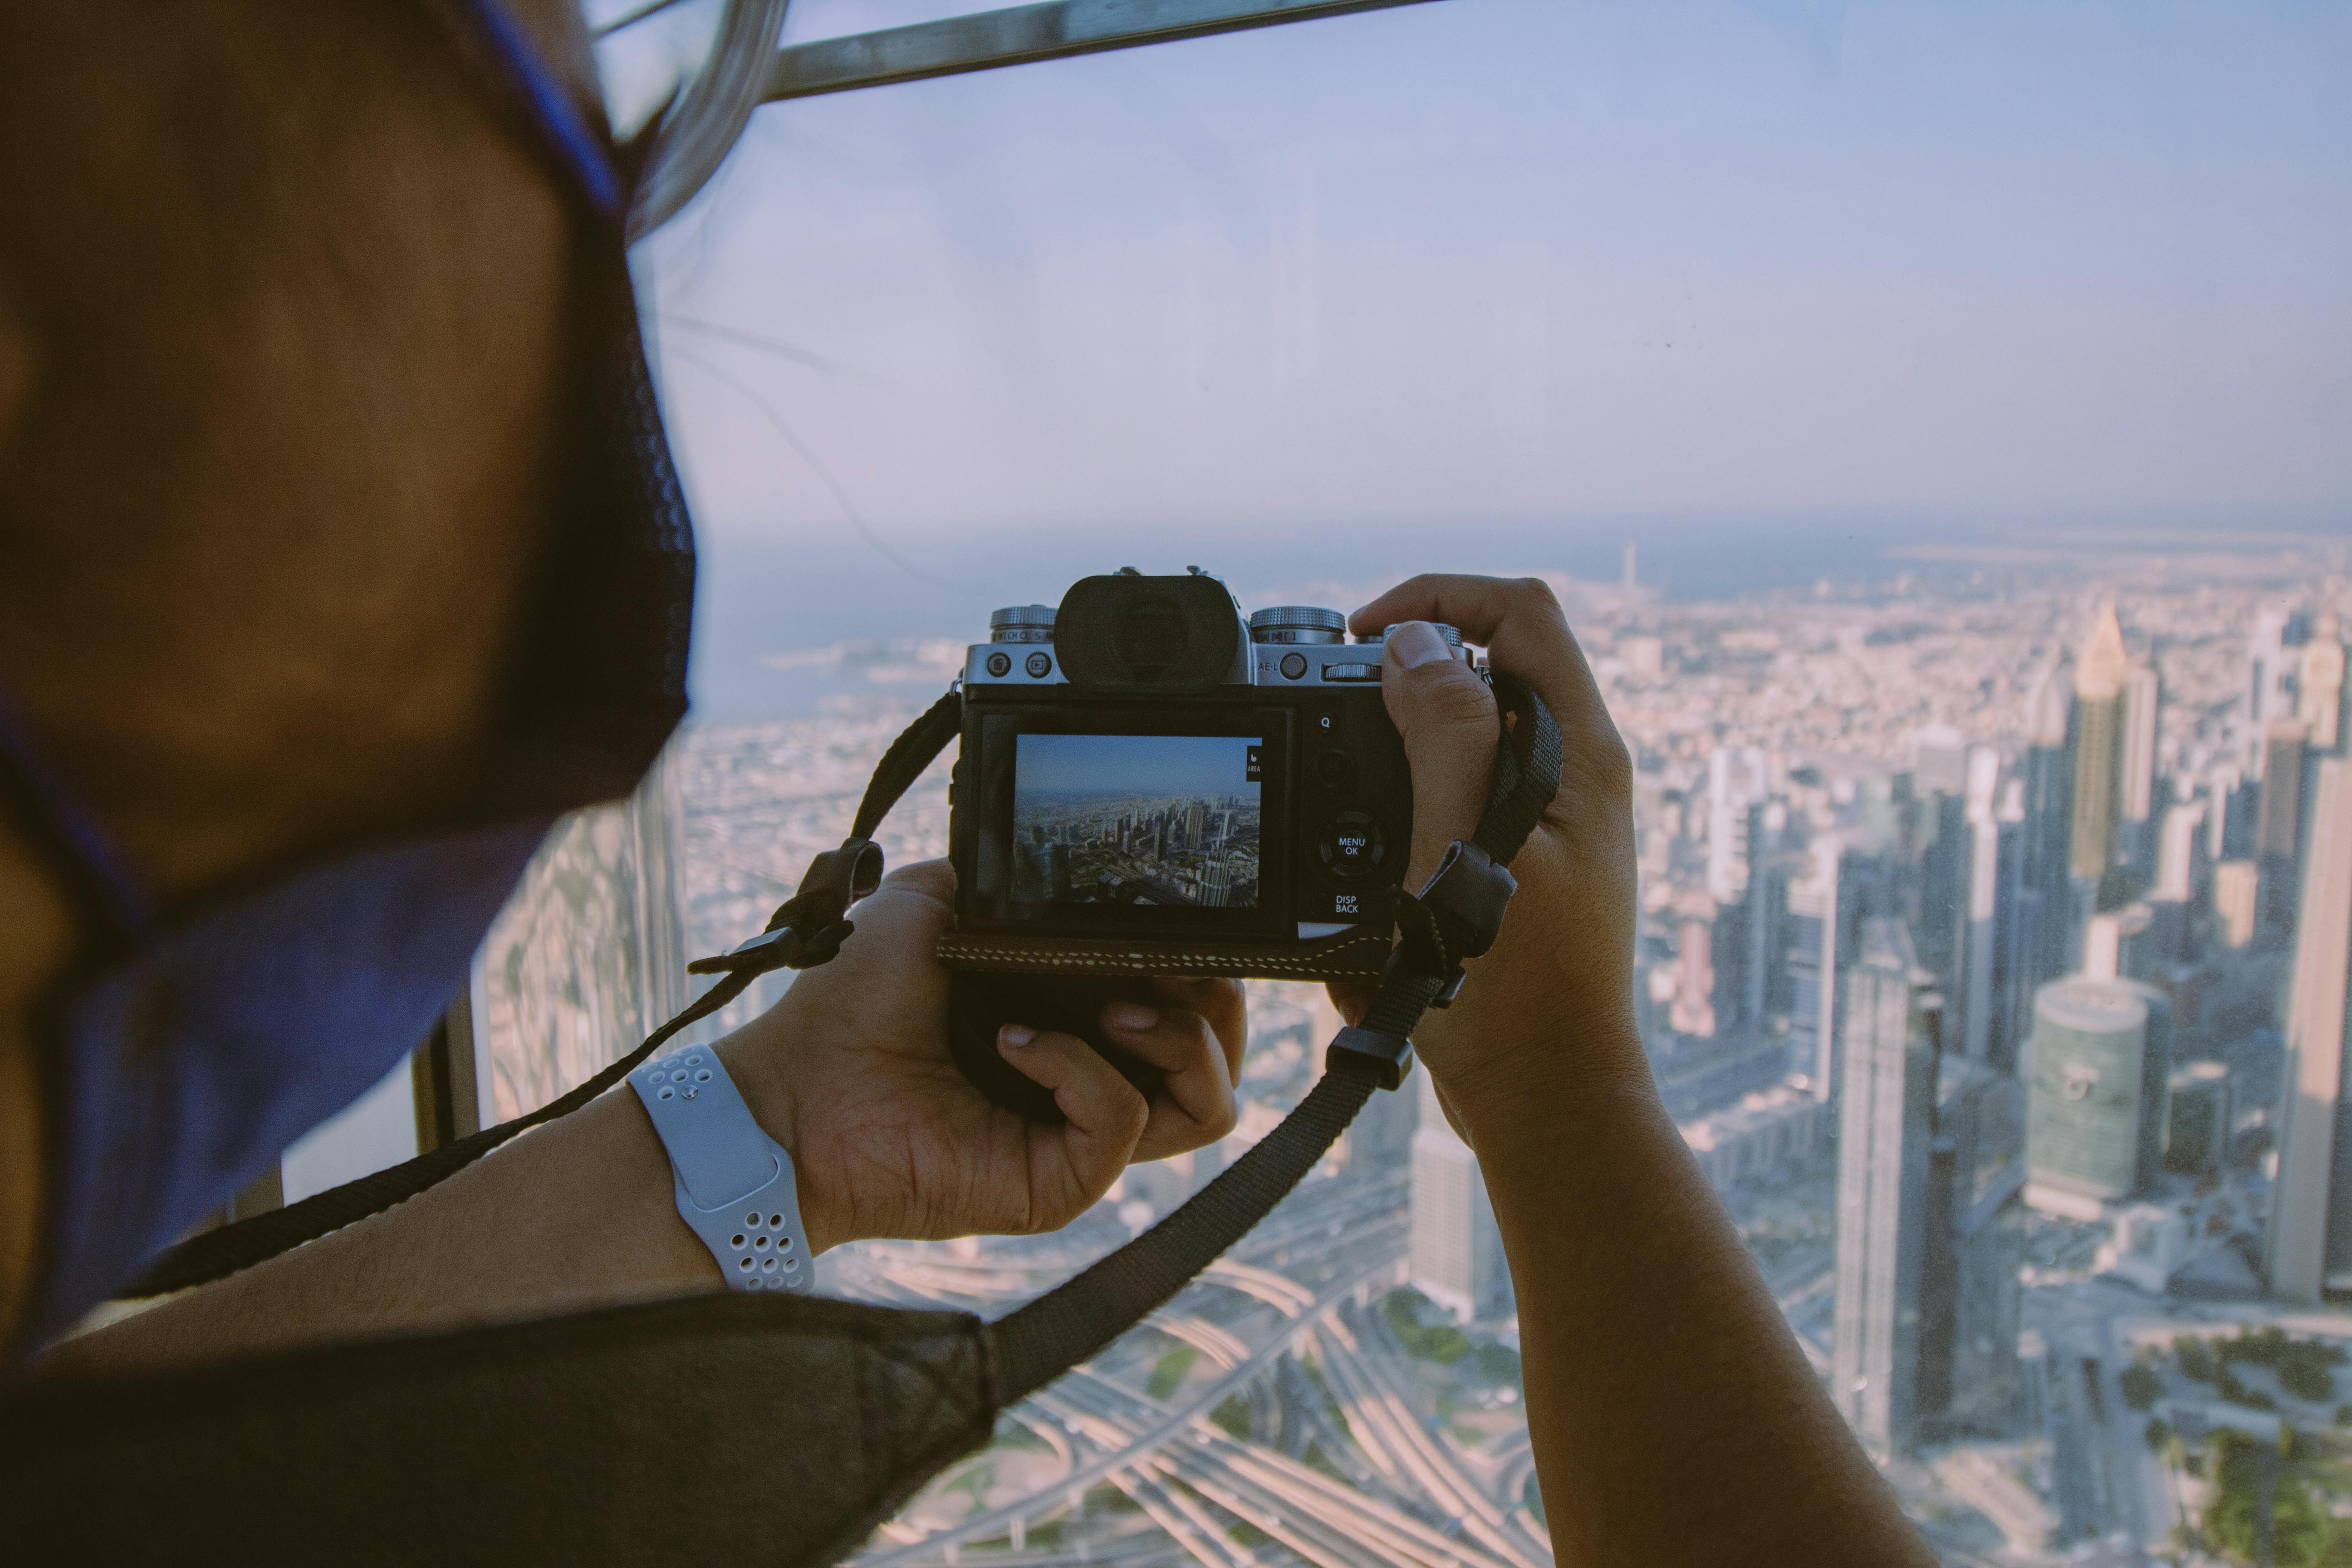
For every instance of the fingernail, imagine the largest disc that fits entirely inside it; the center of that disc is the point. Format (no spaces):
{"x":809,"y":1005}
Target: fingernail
{"x":1132,"y":1016}
{"x":1015,"y":1035}
{"x":1416,"y":643}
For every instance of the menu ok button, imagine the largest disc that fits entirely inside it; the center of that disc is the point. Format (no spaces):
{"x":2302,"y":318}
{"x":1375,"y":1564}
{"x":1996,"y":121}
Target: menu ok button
{"x":1353,"y":846}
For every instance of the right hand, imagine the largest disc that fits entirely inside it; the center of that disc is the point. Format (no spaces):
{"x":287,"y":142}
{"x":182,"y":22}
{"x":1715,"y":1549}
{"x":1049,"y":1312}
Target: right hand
{"x":1550,"y":1007}
{"x":852,"y":1073}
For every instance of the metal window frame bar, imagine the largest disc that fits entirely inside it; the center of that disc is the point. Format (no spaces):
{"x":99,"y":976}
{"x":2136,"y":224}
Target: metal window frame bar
{"x":1023,"y":34}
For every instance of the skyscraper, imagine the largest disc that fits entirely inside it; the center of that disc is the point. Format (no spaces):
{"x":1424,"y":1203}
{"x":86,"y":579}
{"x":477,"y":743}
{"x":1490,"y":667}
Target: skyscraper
{"x":1992,"y":974}
{"x":1735,"y":783}
{"x":2100,"y":679}
{"x":2046,"y":820}
{"x":1969,"y":1295}
{"x":2095,"y":1095}
{"x":2270,"y":685}
{"x":2197,"y":1125}
{"x":2224,"y":792}
{"x":1887,"y":1114}
{"x":2309,"y":1243}
{"x":2180,"y":848}
{"x":2137,"y":785}
{"x":2278,"y":823}
{"x":1944,"y":873}
{"x":2319,"y":702}
{"x":1456,"y":1247}
{"x":1693,"y":1012}
{"x":2143,"y":701}
{"x":1823,"y":927}
{"x":1767,"y":909}
{"x":2237,"y":903}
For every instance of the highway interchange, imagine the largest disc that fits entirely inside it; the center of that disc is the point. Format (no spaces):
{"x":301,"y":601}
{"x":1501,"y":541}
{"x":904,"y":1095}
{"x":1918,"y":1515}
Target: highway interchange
{"x":1289,"y":1324}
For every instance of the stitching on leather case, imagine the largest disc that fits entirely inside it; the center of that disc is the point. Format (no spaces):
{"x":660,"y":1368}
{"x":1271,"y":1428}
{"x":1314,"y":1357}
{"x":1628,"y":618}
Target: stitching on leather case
{"x":1354,"y":956}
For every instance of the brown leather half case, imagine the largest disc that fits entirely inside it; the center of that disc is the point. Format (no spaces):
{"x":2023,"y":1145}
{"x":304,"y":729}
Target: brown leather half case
{"x":1352,"y":954}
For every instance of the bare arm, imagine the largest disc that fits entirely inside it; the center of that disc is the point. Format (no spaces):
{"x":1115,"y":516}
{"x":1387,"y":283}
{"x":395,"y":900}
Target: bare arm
{"x":850,"y":1072}
{"x":1674,"y":1417}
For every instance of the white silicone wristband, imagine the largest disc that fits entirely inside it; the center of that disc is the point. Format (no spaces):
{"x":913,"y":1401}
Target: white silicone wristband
{"x":734,"y":1184}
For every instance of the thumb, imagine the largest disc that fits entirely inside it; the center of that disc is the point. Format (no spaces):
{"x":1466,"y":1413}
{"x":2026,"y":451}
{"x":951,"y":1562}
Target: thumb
{"x":1446,"y":715}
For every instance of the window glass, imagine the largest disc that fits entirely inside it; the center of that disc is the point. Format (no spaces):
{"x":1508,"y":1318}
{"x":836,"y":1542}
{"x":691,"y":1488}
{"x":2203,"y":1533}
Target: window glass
{"x":1932,"y":420}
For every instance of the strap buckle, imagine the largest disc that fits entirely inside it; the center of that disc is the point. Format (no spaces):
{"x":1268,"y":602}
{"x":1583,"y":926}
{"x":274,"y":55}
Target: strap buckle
{"x":1456,"y":915}
{"x":849,"y":873}
{"x":808,"y":929}
{"x":1386,"y":1058}
{"x":1469,"y":887}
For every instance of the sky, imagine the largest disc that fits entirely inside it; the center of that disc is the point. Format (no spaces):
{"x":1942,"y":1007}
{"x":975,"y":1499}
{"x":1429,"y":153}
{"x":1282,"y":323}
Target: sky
{"x":1501,"y":283}
{"x":1064,"y":766}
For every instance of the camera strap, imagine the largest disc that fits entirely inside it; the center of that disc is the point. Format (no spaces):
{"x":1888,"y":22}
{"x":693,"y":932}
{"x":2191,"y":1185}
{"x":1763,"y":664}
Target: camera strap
{"x":805,"y":1422}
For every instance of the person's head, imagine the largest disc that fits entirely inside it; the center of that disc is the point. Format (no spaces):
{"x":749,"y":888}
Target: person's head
{"x":285,"y":364}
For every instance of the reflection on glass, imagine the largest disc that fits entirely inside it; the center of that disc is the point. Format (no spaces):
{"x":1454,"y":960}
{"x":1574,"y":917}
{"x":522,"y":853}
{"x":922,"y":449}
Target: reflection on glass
{"x":588,"y":957}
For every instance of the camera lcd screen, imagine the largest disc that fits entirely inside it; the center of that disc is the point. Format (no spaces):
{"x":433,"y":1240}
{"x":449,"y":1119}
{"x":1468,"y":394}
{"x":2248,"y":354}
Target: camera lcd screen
{"x":1170,"y":821}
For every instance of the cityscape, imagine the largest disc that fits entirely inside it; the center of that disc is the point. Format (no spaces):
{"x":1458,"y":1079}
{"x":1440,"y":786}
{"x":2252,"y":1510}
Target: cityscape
{"x":1095,"y":820}
{"x":1996,"y":941}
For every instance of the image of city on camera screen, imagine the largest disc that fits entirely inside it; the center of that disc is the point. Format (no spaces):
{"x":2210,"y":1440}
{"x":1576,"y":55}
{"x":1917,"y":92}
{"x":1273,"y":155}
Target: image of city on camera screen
{"x":1137,"y":819}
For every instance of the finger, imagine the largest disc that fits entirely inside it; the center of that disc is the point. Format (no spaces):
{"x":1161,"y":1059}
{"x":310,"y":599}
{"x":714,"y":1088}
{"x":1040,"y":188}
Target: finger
{"x":1221,"y":1002}
{"x":933,"y":879}
{"x":1519,"y":623}
{"x":1446,"y":715}
{"x":1353,"y":998}
{"x":1198,"y":1105}
{"x":1072,"y":1165}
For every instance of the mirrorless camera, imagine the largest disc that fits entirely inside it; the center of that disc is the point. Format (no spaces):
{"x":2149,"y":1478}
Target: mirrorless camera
{"x":1150,"y":783}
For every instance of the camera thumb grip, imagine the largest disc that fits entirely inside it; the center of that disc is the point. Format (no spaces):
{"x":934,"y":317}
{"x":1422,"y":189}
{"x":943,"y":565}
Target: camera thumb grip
{"x":980,"y":1002}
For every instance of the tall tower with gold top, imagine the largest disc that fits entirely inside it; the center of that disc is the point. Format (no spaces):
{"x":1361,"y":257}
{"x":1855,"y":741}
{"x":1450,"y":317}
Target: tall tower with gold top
{"x":2101,"y":676}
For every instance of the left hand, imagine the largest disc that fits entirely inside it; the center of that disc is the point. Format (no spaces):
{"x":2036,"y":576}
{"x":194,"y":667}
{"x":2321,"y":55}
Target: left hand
{"x":851,"y":1073}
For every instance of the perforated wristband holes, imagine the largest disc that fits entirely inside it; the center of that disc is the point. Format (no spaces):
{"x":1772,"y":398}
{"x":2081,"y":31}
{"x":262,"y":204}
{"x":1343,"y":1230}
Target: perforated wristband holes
{"x":775,"y":1222}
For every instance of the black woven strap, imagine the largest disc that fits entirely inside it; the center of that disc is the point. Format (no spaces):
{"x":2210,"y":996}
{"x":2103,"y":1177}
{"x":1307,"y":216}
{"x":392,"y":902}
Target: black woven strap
{"x":1072,"y":1321}
{"x":1036,"y":1343}
{"x":807,"y":929}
